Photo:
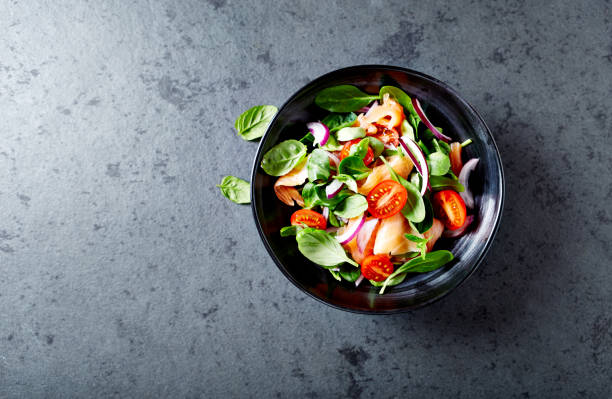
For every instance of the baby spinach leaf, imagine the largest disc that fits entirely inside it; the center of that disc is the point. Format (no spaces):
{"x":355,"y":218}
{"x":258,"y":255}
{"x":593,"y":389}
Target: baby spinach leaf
{"x":348,"y":180}
{"x":335,"y":274}
{"x":314,"y":194}
{"x":354,"y":167}
{"x":283,"y":157}
{"x":252,"y":123}
{"x":414,"y":210}
{"x":309,"y":195}
{"x":318,"y":165}
{"x":438,"y":163}
{"x":290,"y":230}
{"x":335,"y":121}
{"x":438,"y":183}
{"x":391,"y":281}
{"x":377,"y":146}
{"x":444,"y":147}
{"x":361,"y":149}
{"x":431,"y":261}
{"x":420,"y":242}
{"x":333,"y":220}
{"x":332,"y":144}
{"x":427,"y":222}
{"x":352,"y":206}
{"x":307,"y":139}
{"x":321,"y":248}
{"x":350,"y":133}
{"x":350,"y":274}
{"x":407,"y":130}
{"x":343,"y":98}
{"x":236,"y":189}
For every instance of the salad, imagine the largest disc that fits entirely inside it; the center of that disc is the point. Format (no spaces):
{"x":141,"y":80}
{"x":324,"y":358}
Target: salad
{"x":375,"y":185}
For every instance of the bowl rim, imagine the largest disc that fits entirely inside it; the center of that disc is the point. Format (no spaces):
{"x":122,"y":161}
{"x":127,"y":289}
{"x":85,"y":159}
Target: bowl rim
{"x":498,"y":211}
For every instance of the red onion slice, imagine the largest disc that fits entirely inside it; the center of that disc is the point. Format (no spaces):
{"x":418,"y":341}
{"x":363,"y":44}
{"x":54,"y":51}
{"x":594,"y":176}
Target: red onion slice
{"x":359,"y":280}
{"x":464,"y":178}
{"x":365,"y":234}
{"x":461,"y":230}
{"x":335,"y":160}
{"x":333,"y":188}
{"x":319,"y":131}
{"x":352,"y":231}
{"x":434,"y":130}
{"x":417,"y":157}
{"x":325,"y":212}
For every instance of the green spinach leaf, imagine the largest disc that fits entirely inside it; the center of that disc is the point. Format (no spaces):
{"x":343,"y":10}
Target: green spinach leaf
{"x":391,"y":282}
{"x":318,"y":165}
{"x":438,"y":163}
{"x":439,"y":183}
{"x":420,"y":242}
{"x":350,"y":133}
{"x":414,"y":210}
{"x":354,"y":167}
{"x":350,"y":274}
{"x":432,"y":261}
{"x":335,"y":121}
{"x":321,"y":248}
{"x":402,"y":98}
{"x":343,"y":98}
{"x":314,"y":194}
{"x":352,"y":206}
{"x":407,"y":130}
{"x":427,"y":222}
{"x":236,"y":189}
{"x":283,"y":157}
{"x":332,"y":144}
{"x":361,"y":149}
{"x":333,"y":220}
{"x":290,"y":230}
{"x":335,"y":274}
{"x":252,"y":123}
{"x":377,"y":146}
{"x":348,"y":180}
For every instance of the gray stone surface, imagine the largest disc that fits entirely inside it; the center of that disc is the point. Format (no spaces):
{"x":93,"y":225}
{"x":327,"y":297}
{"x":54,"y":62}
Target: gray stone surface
{"x":123,"y":271}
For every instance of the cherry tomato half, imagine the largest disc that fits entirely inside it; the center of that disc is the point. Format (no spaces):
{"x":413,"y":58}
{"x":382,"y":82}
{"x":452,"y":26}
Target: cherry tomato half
{"x":450,"y":208}
{"x":346,"y":151}
{"x":309,"y":218}
{"x":386,"y":199}
{"x":376,"y":267}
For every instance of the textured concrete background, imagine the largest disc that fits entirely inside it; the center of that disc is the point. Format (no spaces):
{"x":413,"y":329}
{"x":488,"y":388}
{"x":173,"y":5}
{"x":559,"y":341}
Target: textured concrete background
{"x":124,"y":272}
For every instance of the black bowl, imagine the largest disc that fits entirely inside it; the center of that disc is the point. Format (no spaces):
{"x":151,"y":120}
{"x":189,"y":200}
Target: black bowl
{"x":458,"y":120}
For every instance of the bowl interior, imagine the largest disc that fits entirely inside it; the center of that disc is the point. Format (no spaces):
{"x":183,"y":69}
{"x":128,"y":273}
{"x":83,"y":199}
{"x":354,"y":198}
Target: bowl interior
{"x":458,"y":120}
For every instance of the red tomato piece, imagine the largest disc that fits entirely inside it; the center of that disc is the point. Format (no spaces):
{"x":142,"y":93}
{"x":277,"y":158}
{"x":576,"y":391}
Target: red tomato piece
{"x":346,"y":151}
{"x":386,"y":199}
{"x":309,"y":218}
{"x":450,"y":208}
{"x":376,"y":267}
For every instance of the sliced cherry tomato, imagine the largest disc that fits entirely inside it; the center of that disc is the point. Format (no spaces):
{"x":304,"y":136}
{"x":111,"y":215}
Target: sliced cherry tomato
{"x":455,"y":158}
{"x":450,"y":208}
{"x":346,"y":151}
{"x":386,"y":199}
{"x":309,"y":218}
{"x":376,"y":267}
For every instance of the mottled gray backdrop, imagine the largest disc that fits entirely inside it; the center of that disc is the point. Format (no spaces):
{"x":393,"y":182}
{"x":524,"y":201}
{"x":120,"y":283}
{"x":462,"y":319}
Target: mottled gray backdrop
{"x":124,"y":272}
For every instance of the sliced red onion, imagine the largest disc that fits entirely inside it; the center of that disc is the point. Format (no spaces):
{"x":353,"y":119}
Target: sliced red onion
{"x":335,"y":160}
{"x":461,"y":230}
{"x":319,"y":131}
{"x":333,"y":188}
{"x":365,"y":234}
{"x":434,"y":130}
{"x":464,"y":178}
{"x":359,"y":280}
{"x":417,"y":157}
{"x":352,"y":231}
{"x":325,"y":212}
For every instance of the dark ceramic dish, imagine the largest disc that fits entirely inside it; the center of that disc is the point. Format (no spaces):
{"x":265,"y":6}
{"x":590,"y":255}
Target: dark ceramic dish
{"x":458,"y":120}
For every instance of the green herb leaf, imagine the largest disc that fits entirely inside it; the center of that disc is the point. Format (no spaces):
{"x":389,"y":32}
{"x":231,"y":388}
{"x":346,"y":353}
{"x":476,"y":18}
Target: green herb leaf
{"x":360,"y":149}
{"x":391,"y":282}
{"x":283,"y":157}
{"x":252,"y":123}
{"x":438,"y":163}
{"x":432,"y":261}
{"x":333,"y":220}
{"x":318,"y":165}
{"x":420,"y":242}
{"x":444,"y":146}
{"x":354,"y":167}
{"x":414,"y":210}
{"x":350,"y":274}
{"x":335,"y":121}
{"x":335,"y":274}
{"x":352,"y":206}
{"x":407,"y":130}
{"x":236,"y":189}
{"x":321,"y":248}
{"x":343,"y":98}
{"x":439,"y":183}
{"x":314,"y":194}
{"x":351,"y":133}
{"x":427,"y":222}
{"x":332,"y":144}
{"x":377,"y":146}
{"x":348,"y":180}
{"x":290,"y":230}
